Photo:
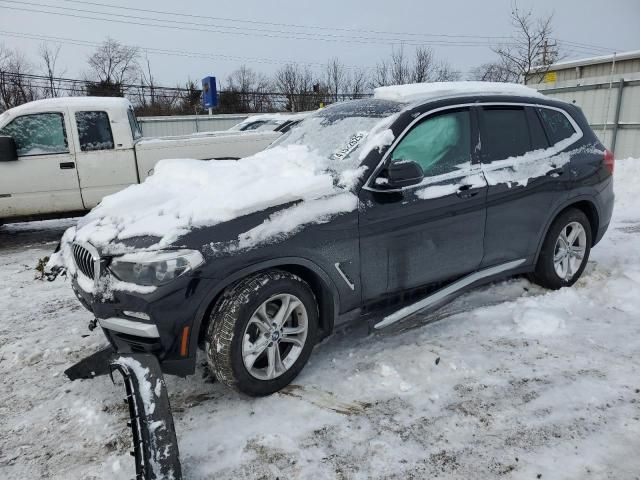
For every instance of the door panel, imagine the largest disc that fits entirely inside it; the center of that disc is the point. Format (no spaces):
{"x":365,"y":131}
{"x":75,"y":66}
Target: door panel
{"x":105,"y":172}
{"x":44,"y":178}
{"x":522,"y":190}
{"x":430,"y":232}
{"x":103,"y":167}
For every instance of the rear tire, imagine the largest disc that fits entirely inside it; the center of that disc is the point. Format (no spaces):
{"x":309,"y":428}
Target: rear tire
{"x":262,"y":332}
{"x":565,"y":251}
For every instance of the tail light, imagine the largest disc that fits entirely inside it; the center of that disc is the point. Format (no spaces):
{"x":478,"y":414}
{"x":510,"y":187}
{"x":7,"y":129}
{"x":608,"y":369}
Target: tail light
{"x":609,"y":161}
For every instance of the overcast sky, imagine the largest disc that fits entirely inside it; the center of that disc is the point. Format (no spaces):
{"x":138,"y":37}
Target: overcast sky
{"x":349,"y":30}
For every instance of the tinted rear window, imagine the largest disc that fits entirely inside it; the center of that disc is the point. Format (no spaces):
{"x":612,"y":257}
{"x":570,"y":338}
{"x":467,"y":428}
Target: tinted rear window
{"x":505,"y":133}
{"x":557,"y":125}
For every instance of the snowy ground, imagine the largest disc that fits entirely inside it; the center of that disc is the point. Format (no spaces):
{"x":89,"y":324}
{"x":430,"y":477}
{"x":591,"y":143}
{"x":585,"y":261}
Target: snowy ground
{"x":511,"y":382}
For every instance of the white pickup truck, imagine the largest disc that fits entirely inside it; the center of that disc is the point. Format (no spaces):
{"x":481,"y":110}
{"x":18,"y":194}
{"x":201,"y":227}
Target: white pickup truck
{"x":59,"y":157}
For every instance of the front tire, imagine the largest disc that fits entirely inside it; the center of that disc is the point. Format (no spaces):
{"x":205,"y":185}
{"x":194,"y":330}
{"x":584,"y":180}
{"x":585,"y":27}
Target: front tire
{"x":565,"y":251}
{"x":262,"y":332}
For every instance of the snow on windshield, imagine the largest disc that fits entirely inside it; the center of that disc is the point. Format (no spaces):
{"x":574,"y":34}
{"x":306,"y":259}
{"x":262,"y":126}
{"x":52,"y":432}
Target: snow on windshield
{"x":337,"y":132}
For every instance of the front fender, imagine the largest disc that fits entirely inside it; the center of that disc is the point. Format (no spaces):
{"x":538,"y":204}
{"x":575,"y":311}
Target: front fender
{"x":254,"y":268}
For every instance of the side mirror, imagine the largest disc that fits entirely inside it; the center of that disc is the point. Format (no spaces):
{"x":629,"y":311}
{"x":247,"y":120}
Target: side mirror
{"x":8,"y":149}
{"x":400,"y":174}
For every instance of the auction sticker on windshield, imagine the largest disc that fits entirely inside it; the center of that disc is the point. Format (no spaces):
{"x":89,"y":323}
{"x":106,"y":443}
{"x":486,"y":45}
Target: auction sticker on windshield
{"x":351,"y":145}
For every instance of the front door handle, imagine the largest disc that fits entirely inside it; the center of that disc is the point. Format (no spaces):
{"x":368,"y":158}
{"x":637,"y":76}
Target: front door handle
{"x":67,"y":165}
{"x":464,"y":191}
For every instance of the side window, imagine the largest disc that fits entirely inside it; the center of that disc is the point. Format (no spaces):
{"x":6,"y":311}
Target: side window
{"x":38,"y":134}
{"x":136,"y":131}
{"x":94,"y":131}
{"x":504,"y":133}
{"x":440,"y":144}
{"x":538,"y":138}
{"x":557,"y":125}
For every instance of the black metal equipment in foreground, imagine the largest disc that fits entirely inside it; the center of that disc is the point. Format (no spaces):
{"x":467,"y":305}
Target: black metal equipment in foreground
{"x":154,"y":437}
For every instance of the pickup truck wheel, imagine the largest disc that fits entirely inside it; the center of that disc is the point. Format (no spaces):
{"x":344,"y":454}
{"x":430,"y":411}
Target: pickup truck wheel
{"x":565,"y":251}
{"x":262,"y":332}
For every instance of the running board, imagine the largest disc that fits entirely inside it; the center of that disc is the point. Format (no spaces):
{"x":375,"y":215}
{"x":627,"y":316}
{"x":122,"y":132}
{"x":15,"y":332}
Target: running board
{"x":446,"y":291}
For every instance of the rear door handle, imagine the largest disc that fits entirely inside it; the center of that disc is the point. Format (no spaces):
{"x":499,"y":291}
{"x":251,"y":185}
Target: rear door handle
{"x":464,"y":191}
{"x":67,"y":165}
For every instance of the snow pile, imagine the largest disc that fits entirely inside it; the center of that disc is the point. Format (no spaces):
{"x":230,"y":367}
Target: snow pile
{"x":420,"y":91}
{"x":187,"y":194}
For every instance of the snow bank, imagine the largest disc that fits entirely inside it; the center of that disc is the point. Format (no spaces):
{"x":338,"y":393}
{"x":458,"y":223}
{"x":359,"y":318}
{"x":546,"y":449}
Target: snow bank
{"x":419,"y":91}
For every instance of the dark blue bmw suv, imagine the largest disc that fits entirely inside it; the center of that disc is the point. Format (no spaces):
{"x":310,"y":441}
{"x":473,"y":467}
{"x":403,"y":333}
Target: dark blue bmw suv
{"x":462,"y":188}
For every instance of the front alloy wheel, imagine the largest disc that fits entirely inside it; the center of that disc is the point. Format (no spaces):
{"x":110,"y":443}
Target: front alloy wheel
{"x":275,"y":336}
{"x":261,"y":332}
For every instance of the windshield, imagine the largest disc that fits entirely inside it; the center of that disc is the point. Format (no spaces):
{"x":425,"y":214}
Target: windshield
{"x":337,"y":131}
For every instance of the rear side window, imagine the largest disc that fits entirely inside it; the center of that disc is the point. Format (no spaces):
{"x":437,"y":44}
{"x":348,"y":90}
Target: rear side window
{"x":38,"y":134}
{"x":94,"y":131}
{"x":504,"y":133}
{"x":557,"y":125}
{"x":440,"y":144}
{"x":538,"y":137}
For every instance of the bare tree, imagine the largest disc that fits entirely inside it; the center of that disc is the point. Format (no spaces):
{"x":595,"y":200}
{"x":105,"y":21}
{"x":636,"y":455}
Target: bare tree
{"x":297,"y":85}
{"x":16,"y":85}
{"x":358,"y":82}
{"x":337,"y":77}
{"x":446,"y":73}
{"x":248,"y":91}
{"x":424,"y":67}
{"x":531,"y":45}
{"x":493,"y":72}
{"x":399,"y":69}
{"x":113,"y":64}
{"x":49,"y":63}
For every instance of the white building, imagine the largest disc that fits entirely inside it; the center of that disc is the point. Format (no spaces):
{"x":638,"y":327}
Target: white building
{"x":607,"y":88}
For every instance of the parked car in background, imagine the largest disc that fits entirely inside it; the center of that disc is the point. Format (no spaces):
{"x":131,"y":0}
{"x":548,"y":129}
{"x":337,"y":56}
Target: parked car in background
{"x":276,"y":122}
{"x":60,"y":157}
{"x":374,"y":208}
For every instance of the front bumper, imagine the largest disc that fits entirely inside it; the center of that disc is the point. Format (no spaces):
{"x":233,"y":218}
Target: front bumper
{"x":169,"y":334}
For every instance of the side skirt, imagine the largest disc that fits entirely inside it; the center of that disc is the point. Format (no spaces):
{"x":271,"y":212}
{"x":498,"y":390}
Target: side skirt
{"x":450,"y":290}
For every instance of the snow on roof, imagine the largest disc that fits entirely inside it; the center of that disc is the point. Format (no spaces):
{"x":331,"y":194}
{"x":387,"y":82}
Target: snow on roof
{"x":77,"y":102}
{"x":423,"y":91}
{"x":582,"y":62}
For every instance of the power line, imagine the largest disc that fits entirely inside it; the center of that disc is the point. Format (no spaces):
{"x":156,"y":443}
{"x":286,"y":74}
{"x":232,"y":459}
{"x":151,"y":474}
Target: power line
{"x":142,"y":21}
{"x":316,"y":27}
{"x":290,"y":25}
{"x":160,"y":51}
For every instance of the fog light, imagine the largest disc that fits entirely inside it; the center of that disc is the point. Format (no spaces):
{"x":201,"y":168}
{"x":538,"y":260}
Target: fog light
{"x":140,"y":315}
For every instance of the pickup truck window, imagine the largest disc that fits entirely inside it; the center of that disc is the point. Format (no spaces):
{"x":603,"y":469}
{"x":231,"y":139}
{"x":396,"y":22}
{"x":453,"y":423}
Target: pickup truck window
{"x":38,"y":134}
{"x":94,"y":131}
{"x":136,"y":131}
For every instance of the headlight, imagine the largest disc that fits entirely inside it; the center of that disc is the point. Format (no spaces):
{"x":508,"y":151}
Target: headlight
{"x":155,"y":268}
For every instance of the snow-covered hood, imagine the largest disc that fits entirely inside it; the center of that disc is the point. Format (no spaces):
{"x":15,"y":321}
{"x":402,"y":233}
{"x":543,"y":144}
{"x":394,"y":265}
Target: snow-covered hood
{"x":184,"y":195}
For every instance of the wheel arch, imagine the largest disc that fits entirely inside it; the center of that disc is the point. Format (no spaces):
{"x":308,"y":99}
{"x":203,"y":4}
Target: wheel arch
{"x":319,"y":281}
{"x":583,"y":203}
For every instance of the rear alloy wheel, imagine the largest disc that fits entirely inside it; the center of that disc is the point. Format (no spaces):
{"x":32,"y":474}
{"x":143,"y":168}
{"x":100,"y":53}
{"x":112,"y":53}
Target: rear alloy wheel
{"x":262,"y":332}
{"x":565,"y":251}
{"x":569,"y":251}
